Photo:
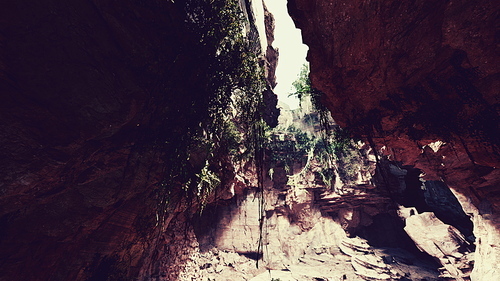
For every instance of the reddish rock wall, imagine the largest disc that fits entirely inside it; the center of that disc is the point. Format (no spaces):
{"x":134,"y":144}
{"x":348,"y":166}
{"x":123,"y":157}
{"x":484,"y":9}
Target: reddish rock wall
{"x":404,"y":74}
{"x":95,"y":97}
{"x":83,"y":100}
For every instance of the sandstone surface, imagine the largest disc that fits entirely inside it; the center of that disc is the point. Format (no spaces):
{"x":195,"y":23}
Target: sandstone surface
{"x":419,"y":80}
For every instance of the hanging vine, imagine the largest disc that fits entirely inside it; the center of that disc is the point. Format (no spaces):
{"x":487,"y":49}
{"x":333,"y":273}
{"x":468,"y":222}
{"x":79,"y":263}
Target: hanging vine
{"x":222,"y":113}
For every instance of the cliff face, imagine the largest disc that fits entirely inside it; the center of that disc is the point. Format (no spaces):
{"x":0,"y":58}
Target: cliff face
{"x":78,"y":84}
{"x":95,"y":98}
{"x":418,"y":79}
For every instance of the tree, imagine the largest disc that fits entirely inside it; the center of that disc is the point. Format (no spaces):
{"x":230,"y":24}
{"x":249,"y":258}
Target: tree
{"x":302,"y":85}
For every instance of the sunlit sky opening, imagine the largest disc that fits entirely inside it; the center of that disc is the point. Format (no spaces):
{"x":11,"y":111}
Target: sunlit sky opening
{"x":292,"y":53}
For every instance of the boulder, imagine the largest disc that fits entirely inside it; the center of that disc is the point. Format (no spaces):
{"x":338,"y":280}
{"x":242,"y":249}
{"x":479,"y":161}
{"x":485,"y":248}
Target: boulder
{"x":442,"y":241}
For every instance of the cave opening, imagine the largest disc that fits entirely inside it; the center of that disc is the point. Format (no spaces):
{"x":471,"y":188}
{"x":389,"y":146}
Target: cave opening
{"x":435,"y":196}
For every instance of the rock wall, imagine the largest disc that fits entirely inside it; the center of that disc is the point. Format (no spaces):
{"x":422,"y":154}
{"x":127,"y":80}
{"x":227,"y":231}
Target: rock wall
{"x":309,"y":233}
{"x":94,"y":98}
{"x":418,"y":79}
{"x":299,"y":228}
{"x":80,"y":85}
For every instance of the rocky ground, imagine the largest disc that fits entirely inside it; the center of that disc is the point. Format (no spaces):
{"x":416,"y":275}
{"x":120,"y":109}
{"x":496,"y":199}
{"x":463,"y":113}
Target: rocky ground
{"x":311,"y":232}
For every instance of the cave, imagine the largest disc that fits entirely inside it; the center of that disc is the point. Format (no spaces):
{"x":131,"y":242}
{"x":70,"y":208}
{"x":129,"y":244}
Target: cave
{"x":145,"y":140}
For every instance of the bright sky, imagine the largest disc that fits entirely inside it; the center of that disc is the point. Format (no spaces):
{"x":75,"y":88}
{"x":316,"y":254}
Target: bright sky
{"x":292,"y":53}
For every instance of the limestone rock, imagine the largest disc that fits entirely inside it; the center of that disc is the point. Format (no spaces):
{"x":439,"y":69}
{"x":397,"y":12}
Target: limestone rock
{"x":371,"y":267}
{"x":440,"y":240}
{"x":354,"y":246}
{"x":433,"y":236}
{"x":372,"y":263}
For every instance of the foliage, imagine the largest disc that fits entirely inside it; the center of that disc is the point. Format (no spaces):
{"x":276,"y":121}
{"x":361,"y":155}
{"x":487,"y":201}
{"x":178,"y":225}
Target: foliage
{"x":305,"y":91}
{"x":302,"y":85}
{"x":288,"y":147}
{"x":335,"y":149}
{"x":339,"y":146}
{"x":221,"y":113}
{"x":208,"y":181}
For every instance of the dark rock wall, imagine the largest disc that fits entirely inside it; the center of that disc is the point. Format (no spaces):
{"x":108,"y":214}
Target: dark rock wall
{"x":87,"y":89}
{"x":407,"y":73}
{"x":97,"y":98}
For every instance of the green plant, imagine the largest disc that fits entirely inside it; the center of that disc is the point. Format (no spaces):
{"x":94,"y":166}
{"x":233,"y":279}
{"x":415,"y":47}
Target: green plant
{"x":288,"y":147}
{"x":302,"y":85}
{"x":335,"y":150}
{"x":208,"y":181}
{"x":304,"y":90}
{"x":220,"y":120}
